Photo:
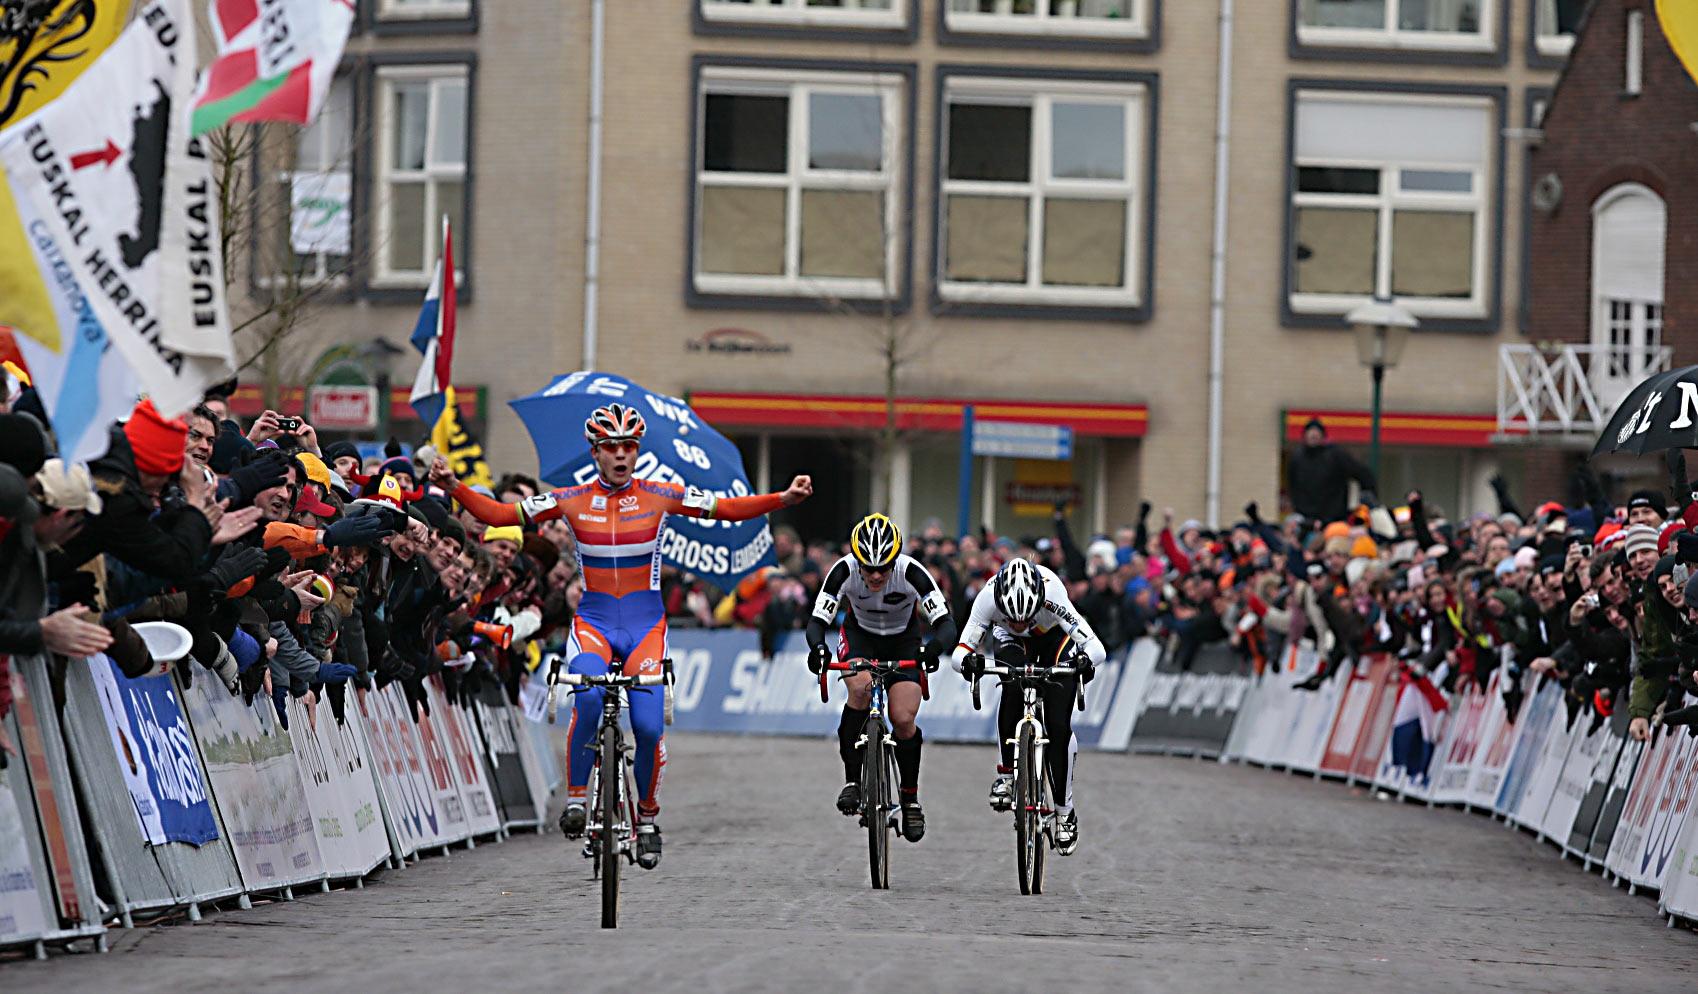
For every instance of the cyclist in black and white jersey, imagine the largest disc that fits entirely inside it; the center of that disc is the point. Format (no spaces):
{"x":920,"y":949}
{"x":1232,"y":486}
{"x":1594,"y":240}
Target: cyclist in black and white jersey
{"x":883,"y":596}
{"x":1025,"y":616}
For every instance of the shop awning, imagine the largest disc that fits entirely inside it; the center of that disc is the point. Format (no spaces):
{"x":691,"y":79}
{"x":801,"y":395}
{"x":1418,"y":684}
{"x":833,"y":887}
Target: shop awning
{"x":843,"y":413}
{"x":249,"y":401}
{"x":1472,"y":431}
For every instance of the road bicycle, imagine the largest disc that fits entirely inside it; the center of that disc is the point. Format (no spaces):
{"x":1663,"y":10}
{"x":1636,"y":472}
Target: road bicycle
{"x":879,"y":810}
{"x":610,"y":833}
{"x":1034,"y":815}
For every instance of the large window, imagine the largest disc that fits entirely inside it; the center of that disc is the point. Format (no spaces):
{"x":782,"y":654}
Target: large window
{"x":422,"y":128}
{"x":808,"y":13}
{"x":1417,"y":24}
{"x":1629,"y":229}
{"x":1555,"y":23}
{"x":797,"y":179}
{"x":1042,"y":192}
{"x":1076,"y":18}
{"x":1391,"y":197}
{"x":313,"y":188}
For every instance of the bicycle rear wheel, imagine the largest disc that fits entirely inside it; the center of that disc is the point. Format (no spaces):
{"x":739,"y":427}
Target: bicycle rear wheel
{"x":1028,"y":796}
{"x":875,"y":803}
{"x":608,"y":810}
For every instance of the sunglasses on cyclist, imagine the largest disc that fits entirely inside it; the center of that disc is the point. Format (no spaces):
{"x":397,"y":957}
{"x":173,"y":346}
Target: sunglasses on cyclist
{"x":877,"y":570}
{"x":617,"y":446}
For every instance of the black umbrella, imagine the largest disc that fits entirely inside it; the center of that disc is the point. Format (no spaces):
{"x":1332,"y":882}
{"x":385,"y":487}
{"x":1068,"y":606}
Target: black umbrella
{"x":1660,"y":413}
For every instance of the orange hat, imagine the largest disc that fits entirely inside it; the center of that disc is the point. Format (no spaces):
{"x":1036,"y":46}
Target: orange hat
{"x":1364,"y":548}
{"x":156,"y":442}
{"x":1338,"y":529}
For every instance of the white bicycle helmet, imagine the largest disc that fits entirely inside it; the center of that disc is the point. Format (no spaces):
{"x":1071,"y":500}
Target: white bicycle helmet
{"x":1019,"y":591}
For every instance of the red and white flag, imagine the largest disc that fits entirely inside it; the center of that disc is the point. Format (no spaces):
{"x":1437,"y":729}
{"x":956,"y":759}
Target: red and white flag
{"x":275,"y":60}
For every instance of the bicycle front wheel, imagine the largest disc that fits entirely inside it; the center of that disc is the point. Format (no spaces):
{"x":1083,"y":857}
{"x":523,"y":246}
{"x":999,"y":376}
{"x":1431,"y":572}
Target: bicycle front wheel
{"x":1028,"y":802}
{"x":608,"y":811}
{"x":875,"y":804}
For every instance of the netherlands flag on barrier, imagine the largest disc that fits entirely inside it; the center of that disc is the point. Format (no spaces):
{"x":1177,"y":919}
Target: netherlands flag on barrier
{"x":1415,"y":724}
{"x":433,"y":335}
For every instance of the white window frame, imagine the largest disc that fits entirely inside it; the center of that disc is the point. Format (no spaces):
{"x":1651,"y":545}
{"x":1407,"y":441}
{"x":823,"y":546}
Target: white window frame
{"x":1633,"y":55}
{"x":1393,"y":37}
{"x":1042,"y":23}
{"x":1554,"y":46}
{"x":382,"y":140}
{"x":319,"y":274}
{"x":797,"y":13}
{"x":423,"y":10}
{"x":799,"y":176}
{"x":1392,"y":198}
{"x":1644,"y":317}
{"x":1043,"y":95}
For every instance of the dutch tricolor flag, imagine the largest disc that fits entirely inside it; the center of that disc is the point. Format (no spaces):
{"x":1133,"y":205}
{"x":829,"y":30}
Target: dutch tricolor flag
{"x":434,"y":336}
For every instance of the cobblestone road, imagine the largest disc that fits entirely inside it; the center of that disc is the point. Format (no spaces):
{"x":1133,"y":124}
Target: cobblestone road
{"x":1190,"y":877}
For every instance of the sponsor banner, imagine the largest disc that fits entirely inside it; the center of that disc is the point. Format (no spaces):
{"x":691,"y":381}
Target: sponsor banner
{"x":1451,"y":774}
{"x":1312,"y":718}
{"x":724,"y":684}
{"x":1542,"y":784}
{"x":250,"y":761}
{"x":1669,"y":820}
{"x":1191,"y":712}
{"x":432,"y":769}
{"x":522,"y":798}
{"x":1363,"y":722}
{"x":347,"y":817}
{"x":22,"y":904}
{"x":1538,"y":721}
{"x":401,"y":770}
{"x":156,"y":754}
{"x":1680,"y":866}
{"x":465,"y":760}
{"x":1585,"y":746}
{"x":1270,"y":711}
{"x":1497,"y":744}
{"x":1651,"y":801}
{"x":1612,"y":775}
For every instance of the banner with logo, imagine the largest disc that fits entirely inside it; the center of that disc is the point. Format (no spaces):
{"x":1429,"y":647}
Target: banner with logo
{"x":21,"y":903}
{"x":156,"y":752}
{"x":341,"y":795}
{"x":126,"y":206}
{"x":465,"y":755}
{"x":250,"y":759}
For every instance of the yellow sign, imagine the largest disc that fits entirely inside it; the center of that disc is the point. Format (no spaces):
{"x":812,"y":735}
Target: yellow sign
{"x":1680,"y":26}
{"x":44,"y":46}
{"x":1038,"y":484}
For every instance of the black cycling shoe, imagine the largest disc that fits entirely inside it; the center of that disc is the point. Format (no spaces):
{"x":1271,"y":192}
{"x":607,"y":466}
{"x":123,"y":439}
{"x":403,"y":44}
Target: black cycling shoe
{"x":648,"y":846}
{"x":572,"y":821}
{"x":849,"y":799}
{"x":913,"y":822}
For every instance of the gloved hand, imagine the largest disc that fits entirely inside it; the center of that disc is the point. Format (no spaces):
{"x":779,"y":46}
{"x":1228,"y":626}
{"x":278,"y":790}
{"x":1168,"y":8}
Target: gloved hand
{"x":928,"y":657}
{"x":228,"y":448}
{"x":237,"y":565}
{"x":1253,"y":513}
{"x":334,"y":672}
{"x":280,"y":701}
{"x":1087,"y":669}
{"x":972,"y":666}
{"x":366,"y":529}
{"x":226,"y":667}
{"x":818,"y":657}
{"x":337,"y":694}
{"x":265,"y":472}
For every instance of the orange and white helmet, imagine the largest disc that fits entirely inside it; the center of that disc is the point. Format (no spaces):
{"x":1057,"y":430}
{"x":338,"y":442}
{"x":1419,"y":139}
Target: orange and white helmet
{"x":614,"y":423}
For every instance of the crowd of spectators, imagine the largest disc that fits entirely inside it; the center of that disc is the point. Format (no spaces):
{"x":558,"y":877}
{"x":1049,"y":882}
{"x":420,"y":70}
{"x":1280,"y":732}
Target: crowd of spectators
{"x":300,"y":568}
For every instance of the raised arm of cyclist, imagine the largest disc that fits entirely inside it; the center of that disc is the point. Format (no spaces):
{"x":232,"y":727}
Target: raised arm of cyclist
{"x":674,"y":498}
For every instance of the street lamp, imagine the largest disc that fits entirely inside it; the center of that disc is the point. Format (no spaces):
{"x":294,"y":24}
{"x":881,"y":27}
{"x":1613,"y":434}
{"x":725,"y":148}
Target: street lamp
{"x":1382,"y":330}
{"x":379,"y":354}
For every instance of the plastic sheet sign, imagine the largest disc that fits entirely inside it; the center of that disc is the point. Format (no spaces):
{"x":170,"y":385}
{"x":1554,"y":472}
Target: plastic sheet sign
{"x":678,"y":448}
{"x":156,"y":752}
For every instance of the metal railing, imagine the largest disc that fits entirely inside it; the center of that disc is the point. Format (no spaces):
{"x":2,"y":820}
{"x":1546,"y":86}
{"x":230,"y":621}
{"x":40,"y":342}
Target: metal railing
{"x":1569,"y":388}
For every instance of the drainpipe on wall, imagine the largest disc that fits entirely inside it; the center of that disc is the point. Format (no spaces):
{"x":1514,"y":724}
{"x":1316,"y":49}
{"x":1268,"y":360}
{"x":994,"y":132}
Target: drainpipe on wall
{"x":592,"y":213}
{"x":1217,"y":278}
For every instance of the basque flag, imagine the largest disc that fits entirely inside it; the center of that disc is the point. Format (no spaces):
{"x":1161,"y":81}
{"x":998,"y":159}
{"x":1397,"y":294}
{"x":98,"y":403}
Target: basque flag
{"x":434,"y":336}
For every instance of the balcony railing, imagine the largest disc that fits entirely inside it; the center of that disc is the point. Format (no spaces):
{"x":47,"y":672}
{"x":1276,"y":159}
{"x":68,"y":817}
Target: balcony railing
{"x":1568,"y":389}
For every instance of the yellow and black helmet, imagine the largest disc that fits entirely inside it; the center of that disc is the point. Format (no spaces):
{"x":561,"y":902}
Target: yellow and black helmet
{"x":876,"y":541}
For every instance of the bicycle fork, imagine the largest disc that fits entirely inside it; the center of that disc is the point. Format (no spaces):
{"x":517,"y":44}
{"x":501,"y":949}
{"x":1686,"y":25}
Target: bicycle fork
{"x":1040,"y":742}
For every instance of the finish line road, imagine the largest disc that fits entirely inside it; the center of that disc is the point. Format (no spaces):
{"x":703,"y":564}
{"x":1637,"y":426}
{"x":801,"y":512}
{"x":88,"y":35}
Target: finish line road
{"x":1190,"y":876}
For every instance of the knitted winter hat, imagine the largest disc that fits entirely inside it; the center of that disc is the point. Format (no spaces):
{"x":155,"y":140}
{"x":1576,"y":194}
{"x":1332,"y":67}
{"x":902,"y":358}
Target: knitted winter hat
{"x":156,"y":442}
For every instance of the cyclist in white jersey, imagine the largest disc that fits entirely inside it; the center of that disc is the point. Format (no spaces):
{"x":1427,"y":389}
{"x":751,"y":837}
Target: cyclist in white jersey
{"x":1025,"y":616}
{"x":883,"y":596}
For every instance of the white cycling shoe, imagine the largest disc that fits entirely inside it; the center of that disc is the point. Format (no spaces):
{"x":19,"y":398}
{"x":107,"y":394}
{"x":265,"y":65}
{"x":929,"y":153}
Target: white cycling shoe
{"x":1002,"y":792}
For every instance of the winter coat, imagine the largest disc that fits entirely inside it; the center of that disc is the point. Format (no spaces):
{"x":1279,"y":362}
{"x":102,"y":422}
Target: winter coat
{"x":1319,"y":479}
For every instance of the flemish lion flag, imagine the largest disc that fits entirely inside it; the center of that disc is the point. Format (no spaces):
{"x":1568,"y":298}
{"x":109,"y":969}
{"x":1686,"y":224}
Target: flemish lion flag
{"x":272,"y":65}
{"x":1679,"y":19}
{"x":45,"y":44}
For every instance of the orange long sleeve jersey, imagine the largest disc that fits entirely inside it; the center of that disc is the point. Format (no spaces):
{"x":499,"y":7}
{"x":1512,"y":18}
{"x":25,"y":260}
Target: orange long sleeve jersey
{"x":617,"y":532}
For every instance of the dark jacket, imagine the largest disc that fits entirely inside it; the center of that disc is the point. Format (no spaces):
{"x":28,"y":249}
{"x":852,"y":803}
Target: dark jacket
{"x":1320,"y":481}
{"x":23,"y":588}
{"x":171,"y":545}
